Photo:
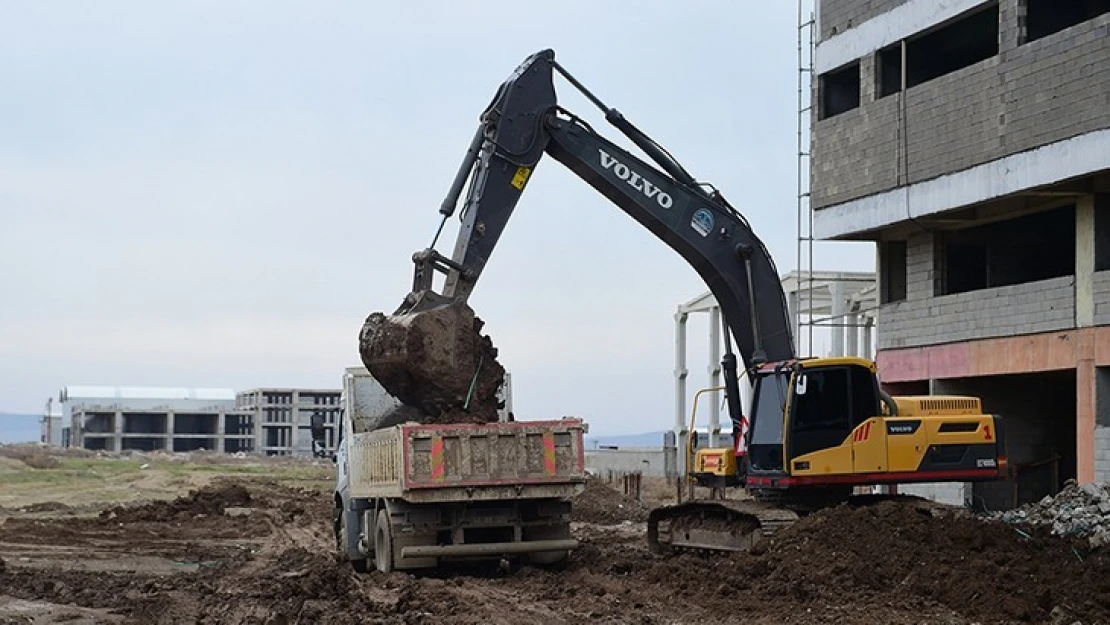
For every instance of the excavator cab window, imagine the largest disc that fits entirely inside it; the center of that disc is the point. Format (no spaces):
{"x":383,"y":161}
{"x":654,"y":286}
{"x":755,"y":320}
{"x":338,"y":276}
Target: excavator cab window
{"x":768,"y":404}
{"x":827,"y":404}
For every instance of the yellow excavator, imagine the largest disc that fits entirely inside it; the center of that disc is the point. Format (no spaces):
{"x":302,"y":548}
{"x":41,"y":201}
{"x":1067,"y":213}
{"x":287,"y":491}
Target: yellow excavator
{"x":816,"y":428}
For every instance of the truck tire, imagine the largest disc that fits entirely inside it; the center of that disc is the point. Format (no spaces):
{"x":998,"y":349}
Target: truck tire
{"x":360,"y":565}
{"x":383,"y":543}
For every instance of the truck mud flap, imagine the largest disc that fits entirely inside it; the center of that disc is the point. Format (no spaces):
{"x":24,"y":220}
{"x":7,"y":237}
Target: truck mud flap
{"x":487,"y":549}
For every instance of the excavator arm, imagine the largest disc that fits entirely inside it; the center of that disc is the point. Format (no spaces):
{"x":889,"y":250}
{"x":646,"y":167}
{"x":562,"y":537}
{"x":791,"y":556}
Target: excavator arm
{"x":522,"y":124}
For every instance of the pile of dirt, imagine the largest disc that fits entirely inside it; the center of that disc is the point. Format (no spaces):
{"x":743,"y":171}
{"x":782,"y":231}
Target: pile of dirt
{"x":211,"y":500}
{"x":983,"y":569}
{"x":298,"y":586}
{"x":34,"y":455}
{"x":1077,"y":510}
{"x":601,"y":503}
{"x":437,"y":362}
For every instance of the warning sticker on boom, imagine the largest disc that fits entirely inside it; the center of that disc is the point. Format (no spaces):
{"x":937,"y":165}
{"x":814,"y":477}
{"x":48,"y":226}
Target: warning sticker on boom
{"x":521,"y":177}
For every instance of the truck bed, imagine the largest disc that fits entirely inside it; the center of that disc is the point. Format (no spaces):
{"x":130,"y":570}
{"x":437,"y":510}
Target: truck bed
{"x":469,"y":462}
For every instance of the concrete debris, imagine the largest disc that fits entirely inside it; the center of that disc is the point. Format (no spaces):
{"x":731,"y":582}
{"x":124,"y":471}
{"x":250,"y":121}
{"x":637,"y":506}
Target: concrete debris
{"x":1077,"y":510}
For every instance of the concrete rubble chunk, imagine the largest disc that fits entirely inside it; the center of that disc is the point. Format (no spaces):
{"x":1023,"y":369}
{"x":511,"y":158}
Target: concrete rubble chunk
{"x":1077,"y":510}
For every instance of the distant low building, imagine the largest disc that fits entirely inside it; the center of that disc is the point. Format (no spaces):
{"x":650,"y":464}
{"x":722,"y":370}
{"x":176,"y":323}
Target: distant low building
{"x":151,"y":418}
{"x":270,"y":421}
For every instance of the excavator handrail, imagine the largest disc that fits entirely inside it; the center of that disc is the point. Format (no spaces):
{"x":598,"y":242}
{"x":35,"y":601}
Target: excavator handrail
{"x":691,"y":435}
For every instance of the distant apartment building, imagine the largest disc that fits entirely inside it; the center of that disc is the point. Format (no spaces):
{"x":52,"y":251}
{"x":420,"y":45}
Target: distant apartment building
{"x":970,"y":140}
{"x":284,"y":418}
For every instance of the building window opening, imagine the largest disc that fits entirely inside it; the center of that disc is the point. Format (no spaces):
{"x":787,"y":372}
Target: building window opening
{"x":1034,"y":247}
{"x":888,"y":72}
{"x":1045,"y":17}
{"x":1102,"y":231}
{"x":964,"y":42}
{"x":839,"y":90}
{"x":892,"y":271}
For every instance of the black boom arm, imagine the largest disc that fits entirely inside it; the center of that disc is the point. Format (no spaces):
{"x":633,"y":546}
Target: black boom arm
{"x":522,"y":123}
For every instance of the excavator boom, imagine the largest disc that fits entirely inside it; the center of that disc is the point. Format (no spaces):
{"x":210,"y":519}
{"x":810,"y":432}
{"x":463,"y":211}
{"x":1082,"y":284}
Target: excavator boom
{"x":521,"y":125}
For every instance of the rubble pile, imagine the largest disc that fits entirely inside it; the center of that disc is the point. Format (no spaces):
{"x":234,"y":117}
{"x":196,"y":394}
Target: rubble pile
{"x":1077,"y":510}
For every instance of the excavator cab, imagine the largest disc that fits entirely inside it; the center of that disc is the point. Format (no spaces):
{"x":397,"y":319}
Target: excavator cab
{"x":807,"y":406}
{"x":798,"y":408}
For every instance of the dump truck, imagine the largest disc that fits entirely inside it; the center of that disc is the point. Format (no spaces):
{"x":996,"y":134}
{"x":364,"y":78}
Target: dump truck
{"x":414,"y":496}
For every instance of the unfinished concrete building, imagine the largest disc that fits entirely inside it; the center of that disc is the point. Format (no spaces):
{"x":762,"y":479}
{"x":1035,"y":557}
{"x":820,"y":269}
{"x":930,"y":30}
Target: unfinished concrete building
{"x":284,"y":418}
{"x":970,"y":139}
{"x":153,"y":419}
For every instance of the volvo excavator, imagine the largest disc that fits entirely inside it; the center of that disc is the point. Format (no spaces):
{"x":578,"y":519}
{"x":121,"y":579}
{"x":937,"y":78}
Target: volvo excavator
{"x":816,"y":429}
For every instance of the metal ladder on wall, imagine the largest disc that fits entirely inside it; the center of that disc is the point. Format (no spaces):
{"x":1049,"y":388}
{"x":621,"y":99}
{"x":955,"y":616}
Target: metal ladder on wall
{"x":807,"y":22}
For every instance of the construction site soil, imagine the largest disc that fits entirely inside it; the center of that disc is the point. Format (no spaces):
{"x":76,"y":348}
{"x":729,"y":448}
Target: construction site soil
{"x":242,"y":551}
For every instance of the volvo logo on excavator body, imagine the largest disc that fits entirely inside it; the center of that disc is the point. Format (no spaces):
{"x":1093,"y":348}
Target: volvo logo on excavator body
{"x":635,"y":180}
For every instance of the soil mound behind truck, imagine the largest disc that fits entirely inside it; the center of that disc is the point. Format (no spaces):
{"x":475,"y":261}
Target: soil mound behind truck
{"x":602,"y":504}
{"x":436,"y":361}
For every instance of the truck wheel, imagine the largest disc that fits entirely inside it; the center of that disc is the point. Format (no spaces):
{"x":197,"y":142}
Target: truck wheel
{"x":360,"y":565}
{"x":383,"y":543}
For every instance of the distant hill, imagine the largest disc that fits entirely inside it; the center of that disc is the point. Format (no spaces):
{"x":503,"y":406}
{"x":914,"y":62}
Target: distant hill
{"x":19,"y":428}
{"x":646,"y":439}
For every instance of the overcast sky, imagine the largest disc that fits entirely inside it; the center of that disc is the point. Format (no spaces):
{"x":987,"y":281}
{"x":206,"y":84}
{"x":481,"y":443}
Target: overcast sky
{"x":217,"y":194}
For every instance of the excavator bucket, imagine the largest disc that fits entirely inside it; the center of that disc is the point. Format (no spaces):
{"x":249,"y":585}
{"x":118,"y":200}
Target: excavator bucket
{"x":435,"y":358}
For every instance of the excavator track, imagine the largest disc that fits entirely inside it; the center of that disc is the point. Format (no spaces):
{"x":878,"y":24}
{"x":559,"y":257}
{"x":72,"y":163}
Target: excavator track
{"x":717,"y":525}
{"x":711,"y":525}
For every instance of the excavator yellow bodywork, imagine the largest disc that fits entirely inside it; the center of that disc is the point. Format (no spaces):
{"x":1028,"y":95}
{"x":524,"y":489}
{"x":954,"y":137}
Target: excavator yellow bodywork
{"x":804,"y":450}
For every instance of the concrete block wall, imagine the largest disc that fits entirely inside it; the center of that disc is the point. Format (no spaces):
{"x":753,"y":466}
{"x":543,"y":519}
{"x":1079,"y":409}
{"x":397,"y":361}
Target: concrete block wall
{"x":837,"y":16}
{"x":1101,"y":292}
{"x":1030,"y":95}
{"x":951,"y":493}
{"x":1028,"y":308}
{"x":920,"y":268}
{"x":1102,"y":453}
{"x":652,"y":462}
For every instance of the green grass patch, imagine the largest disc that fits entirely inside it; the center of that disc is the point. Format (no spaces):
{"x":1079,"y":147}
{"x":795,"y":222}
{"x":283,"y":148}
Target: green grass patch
{"x":71,"y":470}
{"x":95,"y":470}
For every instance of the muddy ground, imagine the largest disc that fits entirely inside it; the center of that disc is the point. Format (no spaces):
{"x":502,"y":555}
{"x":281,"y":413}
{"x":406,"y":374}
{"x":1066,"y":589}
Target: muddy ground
{"x":248,"y":550}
